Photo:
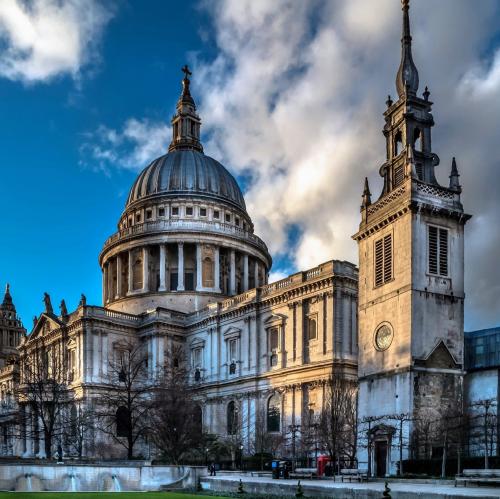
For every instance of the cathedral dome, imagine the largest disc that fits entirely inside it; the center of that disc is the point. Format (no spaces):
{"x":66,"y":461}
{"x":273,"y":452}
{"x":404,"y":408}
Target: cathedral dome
{"x":185,"y":239}
{"x":187,"y":172}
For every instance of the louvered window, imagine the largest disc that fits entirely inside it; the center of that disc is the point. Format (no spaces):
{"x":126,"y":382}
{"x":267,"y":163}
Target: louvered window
{"x":399,"y":175}
{"x":438,"y":251}
{"x":420,"y":171}
{"x":383,"y":260}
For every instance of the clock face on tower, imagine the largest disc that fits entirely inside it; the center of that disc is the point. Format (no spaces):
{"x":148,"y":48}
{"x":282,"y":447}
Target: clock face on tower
{"x":383,"y":337}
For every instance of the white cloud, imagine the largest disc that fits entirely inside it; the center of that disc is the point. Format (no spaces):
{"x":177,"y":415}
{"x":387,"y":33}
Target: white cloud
{"x":43,"y":39}
{"x":295,"y":97}
{"x":132,"y":147}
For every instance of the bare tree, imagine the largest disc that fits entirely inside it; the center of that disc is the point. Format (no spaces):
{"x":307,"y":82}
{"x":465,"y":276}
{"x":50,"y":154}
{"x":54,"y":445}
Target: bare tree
{"x":265,"y":442}
{"x":125,"y":404}
{"x":337,"y":422}
{"x":176,"y":418}
{"x":80,"y":424}
{"x":401,"y":419}
{"x":42,"y":393}
{"x":236,"y":423}
{"x":364,"y":439}
{"x":484,"y":425}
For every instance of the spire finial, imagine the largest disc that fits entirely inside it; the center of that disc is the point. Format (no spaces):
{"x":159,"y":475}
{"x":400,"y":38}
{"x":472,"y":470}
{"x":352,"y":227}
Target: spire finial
{"x":367,"y":196}
{"x":407,"y":77}
{"x":454,"y":177}
{"x":186,"y":71}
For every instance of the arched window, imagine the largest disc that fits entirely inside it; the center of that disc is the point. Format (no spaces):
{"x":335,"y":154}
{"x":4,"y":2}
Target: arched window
{"x":122,"y":422}
{"x":417,"y":139}
{"x":197,"y":420}
{"x":273,"y":413}
{"x":232,"y":418}
{"x":398,"y":143}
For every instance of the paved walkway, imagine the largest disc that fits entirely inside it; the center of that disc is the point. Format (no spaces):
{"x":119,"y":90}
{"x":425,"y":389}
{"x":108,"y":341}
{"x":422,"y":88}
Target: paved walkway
{"x":329,"y":488}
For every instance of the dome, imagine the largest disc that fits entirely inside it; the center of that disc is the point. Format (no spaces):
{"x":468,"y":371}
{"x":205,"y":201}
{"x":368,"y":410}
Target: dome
{"x":187,"y":172}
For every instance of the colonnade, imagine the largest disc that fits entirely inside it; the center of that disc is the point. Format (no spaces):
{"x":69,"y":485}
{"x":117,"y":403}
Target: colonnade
{"x":240,"y":270}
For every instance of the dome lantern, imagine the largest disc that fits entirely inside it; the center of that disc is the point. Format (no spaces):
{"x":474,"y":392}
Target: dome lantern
{"x":186,"y":123}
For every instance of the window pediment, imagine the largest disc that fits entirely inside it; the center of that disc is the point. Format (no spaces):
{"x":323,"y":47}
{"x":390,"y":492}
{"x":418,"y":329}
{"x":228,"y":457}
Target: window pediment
{"x":275,"y":320}
{"x":197,"y":342}
{"x":231,"y":333}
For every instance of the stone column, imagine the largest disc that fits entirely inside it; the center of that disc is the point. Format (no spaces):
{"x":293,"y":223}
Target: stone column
{"x":118,"y":277}
{"x":199,"y":282}
{"x":163,"y":264}
{"x":346,"y":321}
{"x":299,"y":333}
{"x":105,"y":284}
{"x":232,"y":273}
{"x":130,"y":272}
{"x":111,"y":293}
{"x":28,"y":432}
{"x":245,"y":272}
{"x":217,"y":270}
{"x":105,"y":353}
{"x":145,"y":269}
{"x":180,"y":268}
{"x":256,"y":273}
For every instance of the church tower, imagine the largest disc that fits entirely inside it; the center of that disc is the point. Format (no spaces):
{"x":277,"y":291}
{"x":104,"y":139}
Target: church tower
{"x":411,"y":283}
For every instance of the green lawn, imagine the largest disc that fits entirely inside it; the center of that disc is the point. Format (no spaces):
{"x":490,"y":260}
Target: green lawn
{"x":100,"y":495}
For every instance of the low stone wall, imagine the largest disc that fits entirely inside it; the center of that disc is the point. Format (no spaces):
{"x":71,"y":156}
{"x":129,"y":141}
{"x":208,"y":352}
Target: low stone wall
{"x":93,"y":477}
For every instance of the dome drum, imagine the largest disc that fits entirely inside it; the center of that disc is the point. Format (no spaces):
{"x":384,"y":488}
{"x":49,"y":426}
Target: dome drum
{"x":171,"y":269}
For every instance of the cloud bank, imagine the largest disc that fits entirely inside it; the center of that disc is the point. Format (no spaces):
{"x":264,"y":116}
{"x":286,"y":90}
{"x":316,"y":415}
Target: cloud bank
{"x":43,"y":39}
{"x":294,"y":101}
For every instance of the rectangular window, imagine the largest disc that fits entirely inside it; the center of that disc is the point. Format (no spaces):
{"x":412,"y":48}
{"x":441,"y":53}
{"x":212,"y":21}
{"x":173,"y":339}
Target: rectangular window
{"x":189,"y":211}
{"x":232,"y":350}
{"x":149,"y":214}
{"x":311,"y":328}
{"x":216,"y":214}
{"x":161,"y":212}
{"x":383,"y":260}
{"x":237,"y":221}
{"x":438,"y":251}
{"x":228,"y":217}
{"x":203,"y":212}
{"x":273,"y":339}
{"x":137,"y":217}
{"x":197,"y":357}
{"x":399,"y":175}
{"x":175,"y":211}
{"x":189,"y":281}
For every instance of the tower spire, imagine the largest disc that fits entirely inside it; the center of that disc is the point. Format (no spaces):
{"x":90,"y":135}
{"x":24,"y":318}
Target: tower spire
{"x":186,"y":122}
{"x":407,"y":77}
{"x":367,"y":196}
{"x":7,"y":303}
{"x":454,"y":178}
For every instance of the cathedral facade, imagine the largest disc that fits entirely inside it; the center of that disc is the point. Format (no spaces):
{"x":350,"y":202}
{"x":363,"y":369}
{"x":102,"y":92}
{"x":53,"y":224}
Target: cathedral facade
{"x":186,"y":271}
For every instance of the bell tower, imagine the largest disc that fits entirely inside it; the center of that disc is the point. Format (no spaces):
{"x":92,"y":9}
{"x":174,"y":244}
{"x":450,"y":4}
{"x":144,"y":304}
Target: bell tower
{"x":411,"y":282}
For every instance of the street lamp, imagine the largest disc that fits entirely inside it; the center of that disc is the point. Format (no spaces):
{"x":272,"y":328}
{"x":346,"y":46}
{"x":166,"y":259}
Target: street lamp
{"x":293,"y":429}
{"x":241,"y":457}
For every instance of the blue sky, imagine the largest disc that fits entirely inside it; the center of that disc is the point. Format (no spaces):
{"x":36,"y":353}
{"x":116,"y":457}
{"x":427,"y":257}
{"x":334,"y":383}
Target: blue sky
{"x":291,"y":96}
{"x":57,"y":209}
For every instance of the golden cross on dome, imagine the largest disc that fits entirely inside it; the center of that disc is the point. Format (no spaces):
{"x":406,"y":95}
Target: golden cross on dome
{"x":186,"y":71}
